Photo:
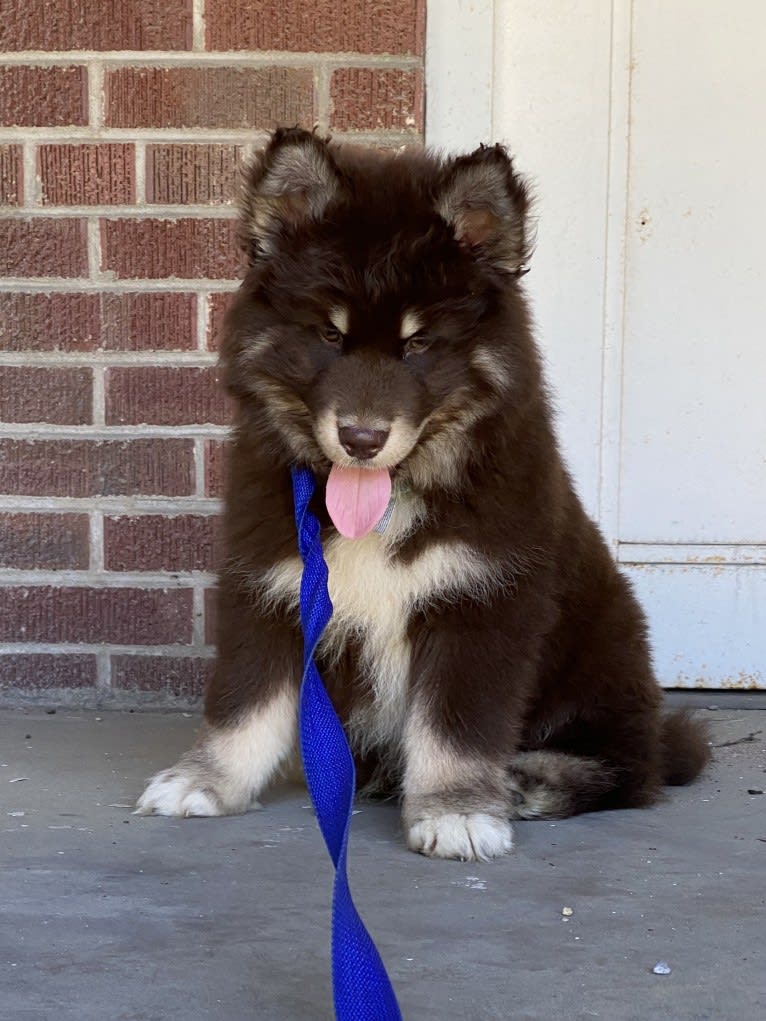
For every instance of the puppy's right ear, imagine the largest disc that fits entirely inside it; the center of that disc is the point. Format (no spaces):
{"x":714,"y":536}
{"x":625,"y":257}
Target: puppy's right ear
{"x":292,"y":181}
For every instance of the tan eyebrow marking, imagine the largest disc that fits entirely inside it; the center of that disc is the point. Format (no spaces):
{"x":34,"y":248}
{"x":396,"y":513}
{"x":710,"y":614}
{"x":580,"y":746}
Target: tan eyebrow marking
{"x":411,"y":324}
{"x":339,"y":317}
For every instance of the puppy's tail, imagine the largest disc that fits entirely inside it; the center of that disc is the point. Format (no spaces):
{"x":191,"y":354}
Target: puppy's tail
{"x":684,"y":746}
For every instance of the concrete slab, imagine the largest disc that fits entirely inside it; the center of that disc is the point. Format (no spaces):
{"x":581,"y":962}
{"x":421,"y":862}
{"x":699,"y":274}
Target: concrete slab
{"x":106,"y":915}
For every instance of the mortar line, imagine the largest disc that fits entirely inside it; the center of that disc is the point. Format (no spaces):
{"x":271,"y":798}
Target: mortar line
{"x":199,"y":466}
{"x":234,"y":136}
{"x":96,"y":533}
{"x":99,"y":395}
{"x":94,"y":248}
{"x":198,"y":615}
{"x":78,"y":285}
{"x":30,"y":181}
{"x":220,"y":211}
{"x":198,"y":26}
{"x":203,"y":314}
{"x":93,"y":648}
{"x":197,"y":58}
{"x":104,"y":580}
{"x":95,"y":92}
{"x":322,"y":94}
{"x":165,"y":506}
{"x":103,"y":672}
{"x":182,"y":358}
{"x":31,"y":431}
{"x":140,"y":171}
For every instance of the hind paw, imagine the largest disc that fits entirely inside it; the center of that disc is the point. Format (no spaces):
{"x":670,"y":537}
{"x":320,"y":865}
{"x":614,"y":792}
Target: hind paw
{"x":554,"y":785}
{"x":530,"y":798}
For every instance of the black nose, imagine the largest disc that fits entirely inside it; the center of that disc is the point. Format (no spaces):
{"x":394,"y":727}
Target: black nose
{"x":360,"y":442}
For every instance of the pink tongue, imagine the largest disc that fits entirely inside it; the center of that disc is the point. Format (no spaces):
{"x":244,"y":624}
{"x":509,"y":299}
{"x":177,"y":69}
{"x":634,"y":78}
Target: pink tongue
{"x":357,"y":499}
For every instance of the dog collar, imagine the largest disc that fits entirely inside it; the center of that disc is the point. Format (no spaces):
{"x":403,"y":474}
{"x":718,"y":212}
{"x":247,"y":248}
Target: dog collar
{"x":398,"y":489}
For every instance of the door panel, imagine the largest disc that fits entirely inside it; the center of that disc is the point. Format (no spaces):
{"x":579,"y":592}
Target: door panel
{"x":706,"y":623}
{"x":693,"y":452}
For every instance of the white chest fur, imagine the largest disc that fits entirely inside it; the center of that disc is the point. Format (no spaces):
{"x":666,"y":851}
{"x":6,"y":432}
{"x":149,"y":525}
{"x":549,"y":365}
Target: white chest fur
{"x":373,"y":597}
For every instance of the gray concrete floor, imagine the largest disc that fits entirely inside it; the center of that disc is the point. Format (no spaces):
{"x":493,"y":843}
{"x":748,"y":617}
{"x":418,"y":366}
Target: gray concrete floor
{"x":106,"y":915}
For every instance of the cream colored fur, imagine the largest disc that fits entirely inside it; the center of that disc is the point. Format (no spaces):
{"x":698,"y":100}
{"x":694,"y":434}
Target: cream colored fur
{"x":401,"y":439}
{"x":228,"y":767}
{"x":373,"y":596}
{"x":474,"y":836}
{"x":412,"y":323}
{"x":454,"y":804}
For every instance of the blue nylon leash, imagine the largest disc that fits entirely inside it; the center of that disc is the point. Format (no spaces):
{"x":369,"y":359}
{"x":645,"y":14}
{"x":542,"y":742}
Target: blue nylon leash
{"x":362,"y":990}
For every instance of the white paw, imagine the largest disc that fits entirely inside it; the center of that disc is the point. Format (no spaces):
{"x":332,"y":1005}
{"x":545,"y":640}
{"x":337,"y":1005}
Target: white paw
{"x":176,"y":792}
{"x":474,"y":837}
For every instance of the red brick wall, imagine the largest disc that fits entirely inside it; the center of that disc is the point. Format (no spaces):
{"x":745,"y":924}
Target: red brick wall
{"x":121,"y":126}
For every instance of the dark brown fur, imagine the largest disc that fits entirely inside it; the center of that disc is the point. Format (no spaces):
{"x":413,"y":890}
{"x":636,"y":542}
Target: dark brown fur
{"x":547,"y":670}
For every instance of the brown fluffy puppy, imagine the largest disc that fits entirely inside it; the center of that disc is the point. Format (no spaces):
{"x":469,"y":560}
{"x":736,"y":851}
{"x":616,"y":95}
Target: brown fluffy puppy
{"x":487,"y":657}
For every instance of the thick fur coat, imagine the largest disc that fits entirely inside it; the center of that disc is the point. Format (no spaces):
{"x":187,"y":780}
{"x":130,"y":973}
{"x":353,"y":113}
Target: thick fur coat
{"x":487,"y":657}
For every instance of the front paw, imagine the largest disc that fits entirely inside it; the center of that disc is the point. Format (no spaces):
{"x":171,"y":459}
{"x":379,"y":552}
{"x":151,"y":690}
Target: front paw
{"x":191,"y":789}
{"x":468,"y":837}
{"x":228,"y":767}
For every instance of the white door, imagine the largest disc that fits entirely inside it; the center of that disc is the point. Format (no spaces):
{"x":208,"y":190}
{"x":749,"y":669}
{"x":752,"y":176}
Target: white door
{"x":644,"y":129}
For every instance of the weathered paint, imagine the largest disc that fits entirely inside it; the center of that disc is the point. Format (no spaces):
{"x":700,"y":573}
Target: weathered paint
{"x":708,"y":624}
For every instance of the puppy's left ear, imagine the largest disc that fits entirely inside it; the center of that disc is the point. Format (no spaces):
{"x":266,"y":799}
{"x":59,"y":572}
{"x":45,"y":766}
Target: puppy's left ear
{"x":291,"y":182}
{"x":486,"y":204}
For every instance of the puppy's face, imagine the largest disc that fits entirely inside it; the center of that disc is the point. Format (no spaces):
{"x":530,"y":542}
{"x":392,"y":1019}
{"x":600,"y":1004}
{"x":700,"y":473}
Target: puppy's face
{"x":365,"y":331}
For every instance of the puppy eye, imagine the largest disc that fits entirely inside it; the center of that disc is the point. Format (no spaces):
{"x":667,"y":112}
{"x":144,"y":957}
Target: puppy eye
{"x":331,"y":335}
{"x":417,"y":344}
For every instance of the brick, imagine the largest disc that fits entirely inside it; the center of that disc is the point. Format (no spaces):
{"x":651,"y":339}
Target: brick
{"x":83,"y":175}
{"x":154,"y":542}
{"x":150,"y":321}
{"x":42,"y":96}
{"x":41,"y":671}
{"x":11,"y":176}
{"x":44,"y":541}
{"x":217,"y":305}
{"x":376,"y":99}
{"x":122,"y":616}
{"x":396,"y":26}
{"x":209,"y":97}
{"x":50,"y":322}
{"x":164,"y":395}
{"x":180,"y":676}
{"x":82,"y":468}
{"x":43,"y":247}
{"x":192,"y":174}
{"x":215,"y":465}
{"x":186,"y":248}
{"x":32,"y":394}
{"x":106,"y":25}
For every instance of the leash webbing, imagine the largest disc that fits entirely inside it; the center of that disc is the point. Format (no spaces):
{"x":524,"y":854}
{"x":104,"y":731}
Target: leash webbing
{"x":361,"y":988}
